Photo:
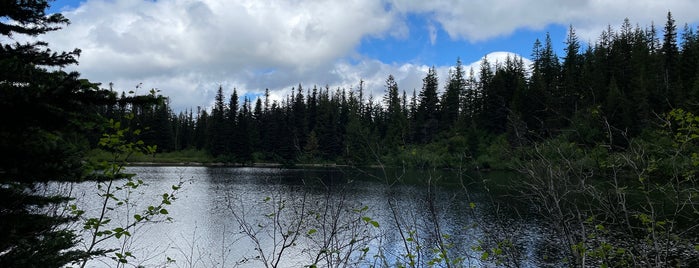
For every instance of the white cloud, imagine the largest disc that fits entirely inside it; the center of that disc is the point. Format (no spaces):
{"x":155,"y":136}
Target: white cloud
{"x":432,"y":30}
{"x":187,"y":45}
{"x":478,"y":20}
{"x":187,"y":48}
{"x":495,"y":59}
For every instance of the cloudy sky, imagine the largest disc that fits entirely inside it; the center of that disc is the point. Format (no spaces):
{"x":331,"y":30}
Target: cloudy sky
{"x":187,"y":48}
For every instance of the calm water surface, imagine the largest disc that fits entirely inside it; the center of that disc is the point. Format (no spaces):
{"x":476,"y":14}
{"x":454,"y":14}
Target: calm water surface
{"x":214,"y":201}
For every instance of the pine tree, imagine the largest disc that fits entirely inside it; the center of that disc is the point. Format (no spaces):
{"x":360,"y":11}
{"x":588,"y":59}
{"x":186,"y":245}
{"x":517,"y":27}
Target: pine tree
{"x":427,"y":116}
{"x":231,"y":123}
{"x":254,"y":128}
{"x":299,"y":121}
{"x":161,"y":126}
{"x":45,"y":113}
{"x":689,"y":67}
{"x":670,"y":54}
{"x":243,"y":140}
{"x":201,"y":130}
{"x":486,"y":79}
{"x":572,"y":85}
{"x":470,"y":101}
{"x":312,"y":108}
{"x":412,"y":117}
{"x":544,"y":88}
{"x":217,"y":126}
{"x":500,"y":92}
{"x":395,"y":120}
{"x":451,"y":99}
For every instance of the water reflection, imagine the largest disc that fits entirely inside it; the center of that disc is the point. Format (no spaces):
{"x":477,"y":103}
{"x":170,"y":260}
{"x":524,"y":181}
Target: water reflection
{"x":448,"y":222}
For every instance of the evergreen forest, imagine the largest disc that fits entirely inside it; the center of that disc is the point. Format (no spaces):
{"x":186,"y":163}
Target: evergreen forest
{"x":604,"y":140}
{"x":606,"y":92}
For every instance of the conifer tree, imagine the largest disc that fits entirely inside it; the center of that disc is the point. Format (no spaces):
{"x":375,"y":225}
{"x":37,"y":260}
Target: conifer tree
{"x":427,"y":116}
{"x":231,"y":123}
{"x":670,"y":57}
{"x":689,"y":66}
{"x":451,"y":99}
{"x":217,"y":125}
{"x":572,"y":85}
{"x":395,"y":120}
{"x":45,"y":113}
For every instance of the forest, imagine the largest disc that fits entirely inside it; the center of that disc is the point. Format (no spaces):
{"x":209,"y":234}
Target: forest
{"x":604,"y":139}
{"x":620,"y":84}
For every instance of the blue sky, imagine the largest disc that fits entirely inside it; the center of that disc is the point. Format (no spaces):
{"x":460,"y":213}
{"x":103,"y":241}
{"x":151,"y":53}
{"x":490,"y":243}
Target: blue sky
{"x":187,"y":48}
{"x":445,"y":50}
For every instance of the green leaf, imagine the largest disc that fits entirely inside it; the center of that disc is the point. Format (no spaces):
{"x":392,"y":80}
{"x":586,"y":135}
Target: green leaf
{"x":312,"y":231}
{"x":163,"y":211}
{"x":485,"y":256}
{"x":375,"y":223}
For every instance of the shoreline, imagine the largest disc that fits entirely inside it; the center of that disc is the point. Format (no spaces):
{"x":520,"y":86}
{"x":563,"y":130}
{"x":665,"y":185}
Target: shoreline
{"x":224,"y":164}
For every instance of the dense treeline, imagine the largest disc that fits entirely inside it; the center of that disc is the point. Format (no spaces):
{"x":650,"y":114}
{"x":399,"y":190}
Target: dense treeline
{"x":606,"y":137}
{"x":627,"y":77}
{"x":45,"y":113}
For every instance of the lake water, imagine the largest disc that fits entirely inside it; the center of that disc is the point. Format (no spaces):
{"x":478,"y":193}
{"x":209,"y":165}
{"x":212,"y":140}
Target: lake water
{"x":335,"y":217}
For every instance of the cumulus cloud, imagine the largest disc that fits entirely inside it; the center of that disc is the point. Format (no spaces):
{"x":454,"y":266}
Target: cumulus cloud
{"x":187,"y":48}
{"x":185,"y":43}
{"x":479,"y":20}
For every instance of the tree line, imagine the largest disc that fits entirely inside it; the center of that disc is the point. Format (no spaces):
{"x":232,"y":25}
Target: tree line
{"x":627,"y":76}
{"x":50,"y":118}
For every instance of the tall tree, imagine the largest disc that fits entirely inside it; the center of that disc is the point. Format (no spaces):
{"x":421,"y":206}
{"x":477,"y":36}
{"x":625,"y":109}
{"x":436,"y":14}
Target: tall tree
{"x":395,"y":120}
{"x":299,"y":121}
{"x":689,"y":67}
{"x":242,"y":145}
{"x":486,"y":78}
{"x":670,"y":56}
{"x":217,"y":125}
{"x":45,"y":113}
{"x":451,"y":99}
{"x":572,"y":85}
{"x":231,"y":123}
{"x":427,"y":115}
{"x":545,"y":87}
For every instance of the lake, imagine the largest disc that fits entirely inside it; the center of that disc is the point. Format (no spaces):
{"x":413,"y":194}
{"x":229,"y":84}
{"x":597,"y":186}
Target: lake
{"x":253,"y":217}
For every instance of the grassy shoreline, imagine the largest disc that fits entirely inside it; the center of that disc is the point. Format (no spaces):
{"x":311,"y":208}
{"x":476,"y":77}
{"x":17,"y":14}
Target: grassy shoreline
{"x":193,"y":158}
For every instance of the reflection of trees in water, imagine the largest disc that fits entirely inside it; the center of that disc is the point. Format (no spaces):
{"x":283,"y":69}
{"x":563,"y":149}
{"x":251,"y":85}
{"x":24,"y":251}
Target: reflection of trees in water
{"x":410,"y":225}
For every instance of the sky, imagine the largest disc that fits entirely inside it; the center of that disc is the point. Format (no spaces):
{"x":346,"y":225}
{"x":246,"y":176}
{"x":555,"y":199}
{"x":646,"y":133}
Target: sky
{"x":188,"y":48}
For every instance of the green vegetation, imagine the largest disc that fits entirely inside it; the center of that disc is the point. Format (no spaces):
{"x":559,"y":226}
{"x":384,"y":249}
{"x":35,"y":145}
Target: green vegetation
{"x":116,"y":191}
{"x":625,"y":79}
{"x":607,"y":141}
{"x":50,"y":118}
{"x":190,"y":156}
{"x":619,"y":208}
{"x":36,"y":149}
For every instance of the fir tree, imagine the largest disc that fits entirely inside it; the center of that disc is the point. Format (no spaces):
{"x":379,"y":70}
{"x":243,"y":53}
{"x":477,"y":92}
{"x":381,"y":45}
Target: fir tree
{"x":450,"y":103}
{"x":395,"y":120}
{"x":217,"y":125}
{"x":427,"y":115}
{"x":45,"y":113}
